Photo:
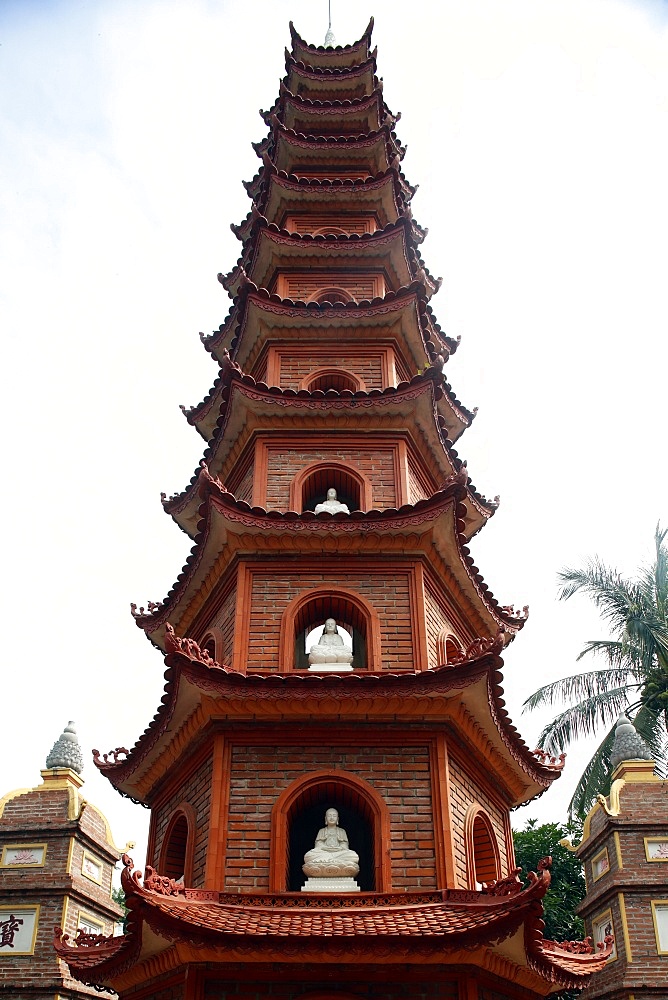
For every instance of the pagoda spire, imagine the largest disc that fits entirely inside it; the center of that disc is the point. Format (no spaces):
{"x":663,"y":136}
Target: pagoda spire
{"x":330,"y":40}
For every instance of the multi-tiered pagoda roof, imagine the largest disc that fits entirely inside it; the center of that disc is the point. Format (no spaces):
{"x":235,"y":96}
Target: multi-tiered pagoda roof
{"x":331,"y":374}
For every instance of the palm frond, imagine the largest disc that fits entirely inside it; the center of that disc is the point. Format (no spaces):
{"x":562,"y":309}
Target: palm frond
{"x":652,"y":727}
{"x":578,"y":686}
{"x":594,"y":780}
{"x":583,"y":719}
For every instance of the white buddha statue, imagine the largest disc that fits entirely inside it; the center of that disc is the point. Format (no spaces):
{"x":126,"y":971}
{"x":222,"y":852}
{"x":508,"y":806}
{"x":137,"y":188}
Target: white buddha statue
{"x":330,"y":653}
{"x":331,"y":858}
{"x":331,"y":505}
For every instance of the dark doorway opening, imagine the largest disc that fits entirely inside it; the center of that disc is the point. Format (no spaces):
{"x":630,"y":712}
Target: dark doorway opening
{"x":308,"y":816}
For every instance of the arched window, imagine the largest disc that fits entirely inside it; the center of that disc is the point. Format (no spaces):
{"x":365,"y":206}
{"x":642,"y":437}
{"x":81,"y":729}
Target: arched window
{"x":310,"y":485}
{"x":176,"y":855}
{"x":331,"y":294}
{"x":338,"y":379}
{"x":448,"y":648}
{"x":482,"y":851}
{"x":299,"y":813}
{"x":312,"y":609}
{"x":208,"y":645}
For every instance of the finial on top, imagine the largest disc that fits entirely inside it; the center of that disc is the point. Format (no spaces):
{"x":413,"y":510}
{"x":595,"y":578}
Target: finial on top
{"x":330,"y":40}
{"x":628,"y":744}
{"x":66,"y":751}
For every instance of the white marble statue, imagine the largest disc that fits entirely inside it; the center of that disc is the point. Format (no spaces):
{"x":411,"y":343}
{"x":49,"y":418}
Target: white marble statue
{"x":331,"y":504}
{"x":331,"y":865}
{"x":330,"y":653}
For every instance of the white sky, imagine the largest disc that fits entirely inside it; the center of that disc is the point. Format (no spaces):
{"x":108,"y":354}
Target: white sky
{"x":538,"y":133}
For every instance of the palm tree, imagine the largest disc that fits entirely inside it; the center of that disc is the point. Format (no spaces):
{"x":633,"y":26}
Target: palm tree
{"x":635,"y":678}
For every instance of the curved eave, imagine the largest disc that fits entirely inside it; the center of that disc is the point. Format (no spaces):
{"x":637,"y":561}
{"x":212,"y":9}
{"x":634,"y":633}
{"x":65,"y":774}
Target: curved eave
{"x":330,"y":144}
{"x":454,"y":418}
{"x":371,"y":154}
{"x":403,"y":315}
{"x":391,"y":250}
{"x":287,"y":195}
{"x":456,"y":927}
{"x":257,"y":189}
{"x":334,"y":55}
{"x":228,"y":527}
{"x":361,"y":115}
{"x":246,"y":407}
{"x":467,"y":697}
{"x":359,"y":81}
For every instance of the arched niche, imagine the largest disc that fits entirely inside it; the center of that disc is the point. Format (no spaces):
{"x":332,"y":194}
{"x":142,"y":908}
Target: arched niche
{"x":448,"y":647}
{"x":338,"y":379}
{"x":313,"y":608}
{"x":332,"y":293}
{"x":299,"y":813}
{"x":310,"y":485}
{"x":178,"y":845}
{"x":482,"y":850}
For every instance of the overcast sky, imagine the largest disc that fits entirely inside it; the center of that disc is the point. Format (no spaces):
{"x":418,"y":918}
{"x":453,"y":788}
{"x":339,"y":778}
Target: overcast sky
{"x":538,"y":133}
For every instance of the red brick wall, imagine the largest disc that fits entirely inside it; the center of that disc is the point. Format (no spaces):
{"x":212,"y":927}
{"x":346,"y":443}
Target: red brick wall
{"x":643,"y":813}
{"x":401,"y":776}
{"x":240,"y":480}
{"x":386,"y":590}
{"x":436,"y":622}
{"x":465,"y":791}
{"x":100,"y":893}
{"x":419,"y":485}
{"x":35,"y":808}
{"x":41,"y":816}
{"x":297,"y":366}
{"x":164,"y":988}
{"x":224,"y":620}
{"x":301,"y":287}
{"x":196,"y":791}
{"x":376,"y":463}
{"x":308,"y":223}
{"x":348,"y":983}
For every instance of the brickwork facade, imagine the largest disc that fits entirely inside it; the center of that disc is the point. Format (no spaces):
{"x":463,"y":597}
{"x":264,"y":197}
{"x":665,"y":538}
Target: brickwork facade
{"x":466,"y":791}
{"x":401,"y":776}
{"x":195,"y":791}
{"x":386,"y":590}
{"x":623,"y":881}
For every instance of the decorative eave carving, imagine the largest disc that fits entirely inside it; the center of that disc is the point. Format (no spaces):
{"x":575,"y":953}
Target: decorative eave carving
{"x":437,"y":521}
{"x":392,"y":248}
{"x":433,"y":696}
{"x":445,"y":926}
{"x":257,"y":188}
{"x":422,"y":336}
{"x":362,"y":114}
{"x":335,"y":77}
{"x":245,"y":406}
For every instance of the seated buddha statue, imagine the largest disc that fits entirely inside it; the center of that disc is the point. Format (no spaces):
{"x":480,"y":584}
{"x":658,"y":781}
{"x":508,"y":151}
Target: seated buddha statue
{"x":329,"y":653}
{"x":331,"y":857}
{"x":331,"y":505}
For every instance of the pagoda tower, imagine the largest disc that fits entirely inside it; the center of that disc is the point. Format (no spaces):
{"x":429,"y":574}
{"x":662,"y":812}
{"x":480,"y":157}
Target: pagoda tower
{"x":333,"y":653}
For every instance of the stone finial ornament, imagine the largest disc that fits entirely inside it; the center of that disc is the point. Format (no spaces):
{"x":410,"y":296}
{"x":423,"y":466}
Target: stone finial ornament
{"x":66,"y":751}
{"x":628,"y":744}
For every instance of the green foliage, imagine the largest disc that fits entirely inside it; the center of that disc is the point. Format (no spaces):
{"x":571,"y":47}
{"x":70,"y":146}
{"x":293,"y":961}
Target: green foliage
{"x":118,"y":897}
{"x":634,"y":680}
{"x":568,"y":885}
